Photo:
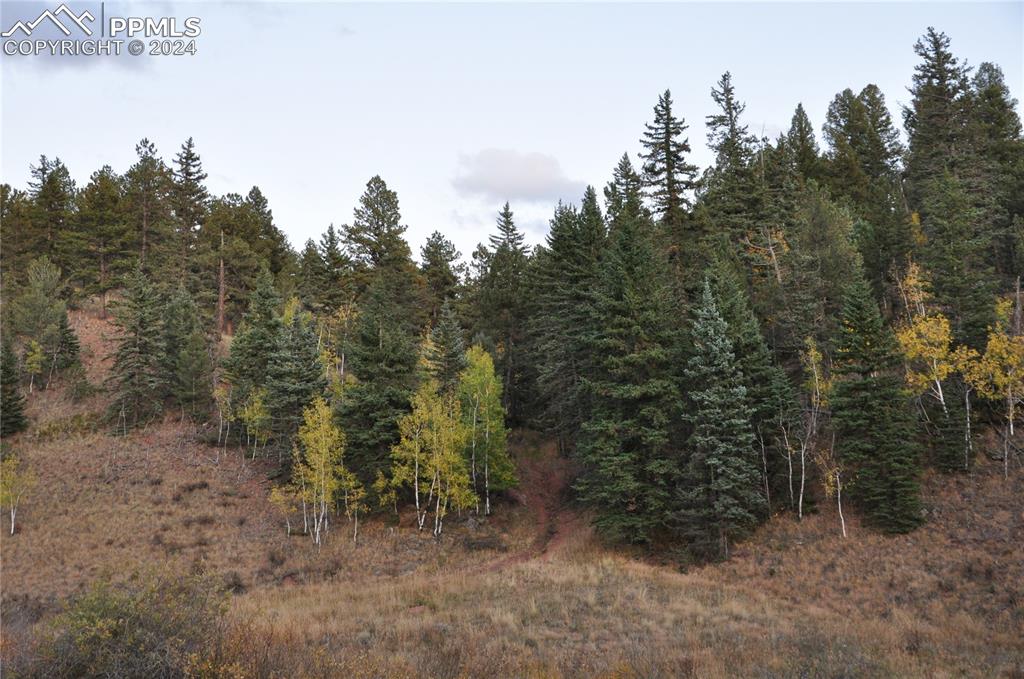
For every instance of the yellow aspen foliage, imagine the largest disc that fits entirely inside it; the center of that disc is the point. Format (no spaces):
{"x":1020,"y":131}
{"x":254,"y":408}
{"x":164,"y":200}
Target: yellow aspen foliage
{"x":926,"y":343}
{"x":33,"y":362}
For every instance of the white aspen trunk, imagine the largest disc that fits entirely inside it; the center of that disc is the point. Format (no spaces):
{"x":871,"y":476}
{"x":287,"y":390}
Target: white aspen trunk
{"x":803,"y":479}
{"x":839,"y":502}
{"x":355,"y":528}
{"x":764,"y":471}
{"x":14,"y":511}
{"x":487,"y":468}
{"x":968,"y":443}
{"x":789,"y":466}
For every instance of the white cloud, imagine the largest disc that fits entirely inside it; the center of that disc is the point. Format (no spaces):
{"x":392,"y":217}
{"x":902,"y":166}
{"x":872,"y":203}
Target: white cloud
{"x":502,"y":174}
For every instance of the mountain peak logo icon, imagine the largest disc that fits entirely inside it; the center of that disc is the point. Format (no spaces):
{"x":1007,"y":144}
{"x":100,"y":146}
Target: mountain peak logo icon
{"x":75,"y":19}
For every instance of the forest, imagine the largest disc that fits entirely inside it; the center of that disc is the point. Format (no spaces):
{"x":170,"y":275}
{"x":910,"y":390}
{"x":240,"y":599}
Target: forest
{"x":796,"y":324}
{"x":816,"y":325}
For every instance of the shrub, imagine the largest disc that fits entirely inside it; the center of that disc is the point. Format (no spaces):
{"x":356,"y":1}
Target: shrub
{"x":156,"y":627}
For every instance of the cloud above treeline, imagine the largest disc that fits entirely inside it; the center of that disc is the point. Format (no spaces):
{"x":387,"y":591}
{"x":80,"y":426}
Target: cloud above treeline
{"x":498,"y":175}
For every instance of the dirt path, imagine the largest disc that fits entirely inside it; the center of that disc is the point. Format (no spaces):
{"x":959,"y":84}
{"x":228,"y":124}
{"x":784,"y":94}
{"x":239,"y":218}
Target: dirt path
{"x":544,"y":478}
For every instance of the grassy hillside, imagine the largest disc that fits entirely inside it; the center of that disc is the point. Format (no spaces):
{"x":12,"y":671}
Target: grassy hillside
{"x":529,"y":592}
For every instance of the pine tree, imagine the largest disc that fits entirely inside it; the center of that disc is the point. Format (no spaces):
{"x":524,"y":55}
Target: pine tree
{"x":626,"y":444}
{"x":100,"y":239}
{"x":138,"y":375}
{"x":148,"y":185}
{"x":53,"y":202}
{"x":666,"y":174}
{"x":295,"y":375}
{"x":188,"y":198}
{"x":872,"y":420}
{"x":448,"y":350}
{"x":376,"y":236}
{"x":12,"y":402}
{"x":720,"y":497}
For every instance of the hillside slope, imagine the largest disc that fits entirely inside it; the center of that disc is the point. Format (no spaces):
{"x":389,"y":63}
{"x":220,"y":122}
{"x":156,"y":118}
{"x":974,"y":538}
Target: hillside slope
{"x":528,"y":592}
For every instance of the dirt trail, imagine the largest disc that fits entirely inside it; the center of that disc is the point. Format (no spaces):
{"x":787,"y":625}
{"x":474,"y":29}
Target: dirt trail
{"x":544,"y":478}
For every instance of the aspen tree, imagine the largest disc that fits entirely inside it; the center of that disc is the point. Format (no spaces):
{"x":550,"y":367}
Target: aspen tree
{"x":15,"y":482}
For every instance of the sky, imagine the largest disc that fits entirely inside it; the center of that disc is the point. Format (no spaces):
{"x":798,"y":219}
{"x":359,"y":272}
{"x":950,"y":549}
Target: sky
{"x":459,"y":107}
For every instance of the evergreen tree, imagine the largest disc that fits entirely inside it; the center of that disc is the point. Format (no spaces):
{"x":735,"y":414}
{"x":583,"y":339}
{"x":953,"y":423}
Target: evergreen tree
{"x":335,"y":286}
{"x":148,"y":206}
{"x":956,"y":247}
{"x":803,"y":145}
{"x":187,"y":360}
{"x":251,"y":348}
{"x":100,"y":239}
{"x":138,"y":375}
{"x":721,"y":496}
{"x":502,"y":308}
{"x":383,"y":357}
{"x":295,"y":375}
{"x":872,"y":420}
{"x":20,"y":240}
{"x":626,"y":445}
{"x":442,"y":271}
{"x":376,"y":236}
{"x":666,"y":174}
{"x":12,"y":402}
{"x":730,"y":195}
{"x":564,"y":278}
{"x":188,"y":198}
{"x":53,"y":203}
{"x":623,"y":194}
{"x":311,"y":275}
{"x":448,"y":350}
{"x":935,"y":120}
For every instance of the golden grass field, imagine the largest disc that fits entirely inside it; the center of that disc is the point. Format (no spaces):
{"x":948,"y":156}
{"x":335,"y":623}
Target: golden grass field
{"x":527,"y":592}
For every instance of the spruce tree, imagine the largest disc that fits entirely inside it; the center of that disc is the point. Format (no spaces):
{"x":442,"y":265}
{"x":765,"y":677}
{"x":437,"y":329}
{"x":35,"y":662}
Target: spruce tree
{"x":803,"y":145}
{"x":383,"y":357}
{"x":188,"y":198}
{"x":251,"y":347}
{"x":730,"y":195}
{"x":666,"y":174}
{"x":872,"y":419}
{"x":563,"y":281}
{"x":720,"y":497}
{"x":311,"y":276}
{"x":936,"y":119}
{"x":623,"y":194}
{"x":138,"y":376}
{"x":630,"y":464}
{"x":294,"y":377}
{"x":336,"y":284}
{"x":957,"y":248}
{"x":442,"y":271}
{"x":502,"y":306}
{"x":12,"y":402}
{"x":448,"y":350}
{"x":187,"y":360}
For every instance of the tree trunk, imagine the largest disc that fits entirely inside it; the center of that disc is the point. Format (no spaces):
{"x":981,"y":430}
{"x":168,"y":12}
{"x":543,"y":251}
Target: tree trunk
{"x":221,"y":289}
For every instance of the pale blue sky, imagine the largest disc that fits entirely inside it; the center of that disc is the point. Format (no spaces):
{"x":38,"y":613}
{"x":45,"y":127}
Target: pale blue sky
{"x":460,"y":106}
